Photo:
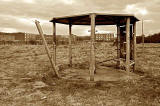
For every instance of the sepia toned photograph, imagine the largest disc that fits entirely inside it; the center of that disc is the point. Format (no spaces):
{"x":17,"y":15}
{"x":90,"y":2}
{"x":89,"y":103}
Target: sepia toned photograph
{"x":79,"y":53}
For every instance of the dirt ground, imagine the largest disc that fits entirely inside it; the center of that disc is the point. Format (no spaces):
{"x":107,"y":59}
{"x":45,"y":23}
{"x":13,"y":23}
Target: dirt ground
{"x":26,"y":78}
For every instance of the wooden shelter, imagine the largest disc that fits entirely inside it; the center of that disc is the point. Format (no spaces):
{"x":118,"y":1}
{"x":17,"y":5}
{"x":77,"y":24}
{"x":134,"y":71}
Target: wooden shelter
{"x":126,"y":35}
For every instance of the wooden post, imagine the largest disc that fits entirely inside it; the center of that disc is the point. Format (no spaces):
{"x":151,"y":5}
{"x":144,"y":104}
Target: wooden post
{"x":128,"y":45}
{"x":54,"y":42}
{"x":92,"y":56}
{"x":70,"y":45}
{"x":134,"y":45}
{"x":47,"y":49}
{"x":118,"y":46}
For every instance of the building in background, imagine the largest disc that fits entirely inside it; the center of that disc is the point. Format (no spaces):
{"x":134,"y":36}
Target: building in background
{"x":30,"y":37}
{"x":6,"y":37}
{"x":19,"y":36}
{"x":105,"y":37}
{"x":12,"y":36}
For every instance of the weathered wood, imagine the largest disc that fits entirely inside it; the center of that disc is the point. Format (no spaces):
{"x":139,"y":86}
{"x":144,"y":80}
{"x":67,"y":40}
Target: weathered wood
{"x":70,"y":45}
{"x":134,"y":46}
{"x":102,"y":19}
{"x":132,"y":63}
{"x":107,"y":60}
{"x":128,"y":45}
{"x":118,"y":45}
{"x":47,"y":49}
{"x":92,"y":56}
{"x":54,"y":42}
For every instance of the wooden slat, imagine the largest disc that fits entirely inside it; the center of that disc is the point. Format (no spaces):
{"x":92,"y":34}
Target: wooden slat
{"x":132,"y":63}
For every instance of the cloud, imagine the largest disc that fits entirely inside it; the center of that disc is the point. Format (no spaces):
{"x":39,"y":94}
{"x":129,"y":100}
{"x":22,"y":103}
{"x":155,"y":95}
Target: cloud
{"x":20,"y":14}
{"x":103,"y":31}
{"x":69,"y":2}
{"x":30,"y":21}
{"x":29,"y":1}
{"x":9,"y":30}
{"x":7,"y":0}
{"x":134,"y":9}
{"x":25,"y":1}
{"x":149,"y":21}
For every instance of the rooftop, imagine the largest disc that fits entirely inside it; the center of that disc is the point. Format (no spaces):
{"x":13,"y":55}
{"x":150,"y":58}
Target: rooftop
{"x":101,"y":19}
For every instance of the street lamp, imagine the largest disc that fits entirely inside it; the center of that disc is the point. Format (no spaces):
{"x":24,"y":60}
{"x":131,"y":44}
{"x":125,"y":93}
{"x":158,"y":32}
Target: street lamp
{"x":143,"y":12}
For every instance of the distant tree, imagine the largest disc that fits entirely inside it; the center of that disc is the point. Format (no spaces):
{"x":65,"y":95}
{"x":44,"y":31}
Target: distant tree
{"x":32,"y":42}
{"x":82,"y":38}
{"x":155,"y":38}
{"x":139,"y":39}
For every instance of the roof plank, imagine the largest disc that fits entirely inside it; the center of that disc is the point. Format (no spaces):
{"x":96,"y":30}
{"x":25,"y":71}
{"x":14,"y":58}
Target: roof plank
{"x":101,"y":19}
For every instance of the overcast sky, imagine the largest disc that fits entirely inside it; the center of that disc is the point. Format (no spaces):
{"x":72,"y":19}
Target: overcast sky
{"x":19,"y":15}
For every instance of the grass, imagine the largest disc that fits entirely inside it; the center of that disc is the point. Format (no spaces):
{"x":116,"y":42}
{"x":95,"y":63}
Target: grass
{"x":23,"y":67}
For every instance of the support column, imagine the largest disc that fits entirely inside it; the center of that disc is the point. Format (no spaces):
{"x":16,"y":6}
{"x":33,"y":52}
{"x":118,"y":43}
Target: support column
{"x":54,"y":42}
{"x":128,"y":45}
{"x":70,"y":45}
{"x":118,"y":46}
{"x":134,"y":45}
{"x":92,"y":55}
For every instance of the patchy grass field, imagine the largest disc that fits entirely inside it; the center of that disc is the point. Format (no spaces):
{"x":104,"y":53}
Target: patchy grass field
{"x":26,"y":79}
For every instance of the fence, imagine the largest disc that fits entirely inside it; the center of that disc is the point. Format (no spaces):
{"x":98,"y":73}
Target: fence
{"x":20,"y":42}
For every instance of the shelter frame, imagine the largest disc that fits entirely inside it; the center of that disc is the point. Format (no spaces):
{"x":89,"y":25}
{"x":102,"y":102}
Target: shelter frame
{"x":94,"y":19}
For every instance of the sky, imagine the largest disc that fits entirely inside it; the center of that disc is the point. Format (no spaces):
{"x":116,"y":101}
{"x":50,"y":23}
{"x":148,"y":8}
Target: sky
{"x":19,"y":15}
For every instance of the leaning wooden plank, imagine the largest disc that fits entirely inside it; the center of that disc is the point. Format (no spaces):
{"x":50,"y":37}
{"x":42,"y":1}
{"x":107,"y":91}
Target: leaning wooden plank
{"x":47,"y":49}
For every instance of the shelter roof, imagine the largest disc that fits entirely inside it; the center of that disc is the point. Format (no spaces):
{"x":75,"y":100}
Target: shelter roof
{"x":101,"y":19}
